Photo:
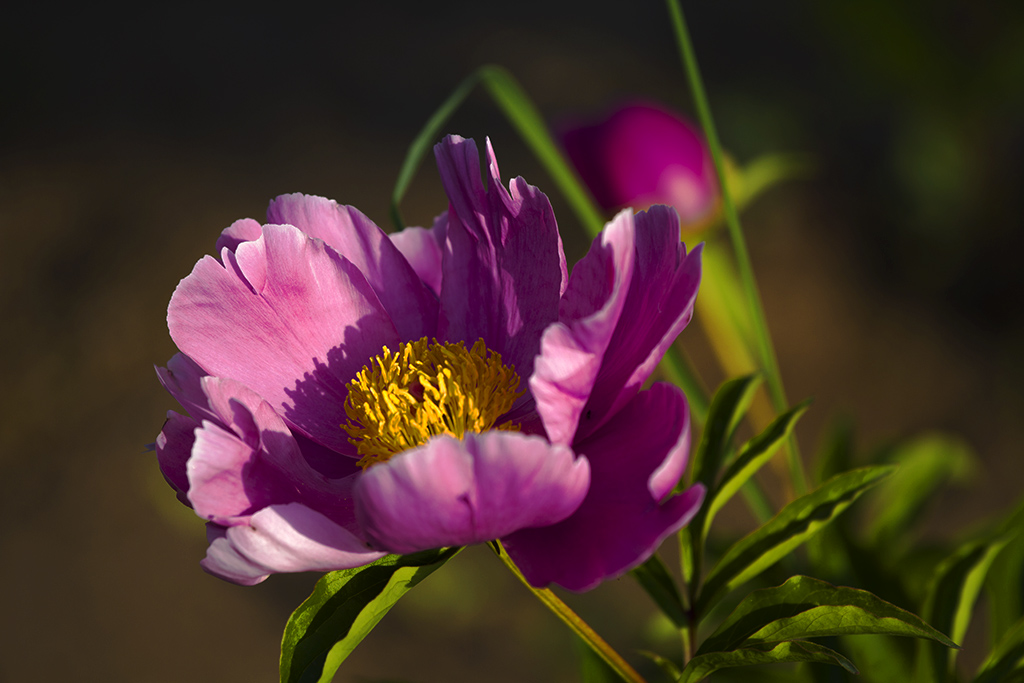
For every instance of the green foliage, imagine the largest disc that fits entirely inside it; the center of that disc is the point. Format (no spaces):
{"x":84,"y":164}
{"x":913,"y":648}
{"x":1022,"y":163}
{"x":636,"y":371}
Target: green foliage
{"x":344,"y":608}
{"x":804,"y":607}
{"x":702,"y":666}
{"x":1006,"y":661}
{"x":654,"y":578}
{"x":794,"y":524}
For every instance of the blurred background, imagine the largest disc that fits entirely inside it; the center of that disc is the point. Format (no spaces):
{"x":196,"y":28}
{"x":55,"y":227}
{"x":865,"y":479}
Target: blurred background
{"x":130,"y":138}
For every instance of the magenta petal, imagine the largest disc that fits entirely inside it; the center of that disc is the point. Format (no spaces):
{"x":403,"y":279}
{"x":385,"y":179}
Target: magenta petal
{"x":182,"y":378}
{"x":452,"y":492}
{"x":287,"y":317}
{"x":504,"y":267}
{"x":624,"y":517}
{"x":657,"y":308}
{"x":411,"y":305}
{"x":423,"y":249}
{"x":173,"y":449}
{"x":572,"y":349}
{"x":294,"y":538}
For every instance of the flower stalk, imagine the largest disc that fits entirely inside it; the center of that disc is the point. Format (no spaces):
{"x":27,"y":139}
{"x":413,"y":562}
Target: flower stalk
{"x":573,"y":621}
{"x":746,"y":270}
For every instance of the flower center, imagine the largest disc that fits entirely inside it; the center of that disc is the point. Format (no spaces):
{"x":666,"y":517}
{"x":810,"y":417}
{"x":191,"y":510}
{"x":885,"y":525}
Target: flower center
{"x":400,"y":400}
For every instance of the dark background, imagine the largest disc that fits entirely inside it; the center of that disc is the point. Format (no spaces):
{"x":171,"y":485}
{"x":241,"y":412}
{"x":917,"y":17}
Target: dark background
{"x":130,"y":137}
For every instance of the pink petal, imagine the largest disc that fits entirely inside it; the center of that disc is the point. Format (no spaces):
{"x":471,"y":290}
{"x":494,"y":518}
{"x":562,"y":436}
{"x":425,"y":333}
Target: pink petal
{"x":503,"y":266}
{"x":572,"y":349}
{"x":636,"y":460}
{"x":411,"y":305}
{"x":182,"y":379}
{"x":452,"y":492}
{"x":287,"y":317}
{"x":242,"y":230}
{"x":423,"y":248}
{"x":173,"y":449}
{"x":658,"y":306}
{"x":285,"y":538}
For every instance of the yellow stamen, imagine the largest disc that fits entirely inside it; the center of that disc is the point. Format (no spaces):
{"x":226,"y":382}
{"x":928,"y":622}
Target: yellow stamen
{"x":401,"y":399}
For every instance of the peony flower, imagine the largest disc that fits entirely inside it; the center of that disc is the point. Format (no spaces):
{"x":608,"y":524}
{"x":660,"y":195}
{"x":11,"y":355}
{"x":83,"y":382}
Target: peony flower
{"x":642,"y":154}
{"x":351,"y":394}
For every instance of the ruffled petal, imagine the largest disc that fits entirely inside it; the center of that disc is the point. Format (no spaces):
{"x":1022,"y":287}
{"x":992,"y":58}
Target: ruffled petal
{"x":423,"y":249}
{"x":173,"y":449}
{"x":410,"y":303}
{"x":242,"y":230}
{"x":572,"y":349}
{"x":503,"y":265}
{"x":288,"y":317}
{"x":657,"y":308}
{"x":451,"y":492}
{"x":284,"y":538}
{"x":625,"y":516}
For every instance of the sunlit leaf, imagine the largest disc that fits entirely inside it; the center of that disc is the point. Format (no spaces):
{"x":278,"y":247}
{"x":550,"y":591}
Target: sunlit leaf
{"x":805,"y":607}
{"x":1006,"y":661}
{"x":794,"y":524}
{"x":728,"y":407}
{"x":770,"y":653}
{"x":949,"y":604}
{"x":655,"y":579}
{"x":344,"y":608}
{"x":1005,"y":582}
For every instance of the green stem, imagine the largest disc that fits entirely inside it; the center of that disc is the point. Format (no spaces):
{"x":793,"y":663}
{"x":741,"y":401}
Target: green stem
{"x":746,"y":270}
{"x":573,"y":621}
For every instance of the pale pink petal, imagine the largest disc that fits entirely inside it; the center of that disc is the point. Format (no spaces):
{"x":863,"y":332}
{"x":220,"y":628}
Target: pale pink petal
{"x":294,"y":538}
{"x":242,"y":230}
{"x":287,"y":317}
{"x":451,"y":492}
{"x":411,"y":304}
{"x":572,"y":349}
{"x":503,"y":264}
{"x":223,"y":561}
{"x":625,"y":515}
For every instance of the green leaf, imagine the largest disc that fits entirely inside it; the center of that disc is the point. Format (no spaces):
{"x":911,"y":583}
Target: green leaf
{"x":730,"y":404}
{"x":670,"y":668}
{"x":1005,"y":581}
{"x":1006,"y":659}
{"x":754,"y":454}
{"x":344,"y":608}
{"x":654,"y":578}
{"x":770,"y":653}
{"x":950,"y":600}
{"x":794,"y":524}
{"x":925,"y":464}
{"x":805,"y":607}
{"x":526,"y":119}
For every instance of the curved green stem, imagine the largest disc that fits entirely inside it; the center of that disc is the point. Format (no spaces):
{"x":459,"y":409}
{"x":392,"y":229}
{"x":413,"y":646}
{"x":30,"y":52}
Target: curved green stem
{"x":573,"y":621}
{"x":746,"y":270}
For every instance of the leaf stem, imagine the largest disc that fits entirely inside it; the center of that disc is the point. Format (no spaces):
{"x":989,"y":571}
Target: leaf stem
{"x":746,"y":271}
{"x":573,"y":621}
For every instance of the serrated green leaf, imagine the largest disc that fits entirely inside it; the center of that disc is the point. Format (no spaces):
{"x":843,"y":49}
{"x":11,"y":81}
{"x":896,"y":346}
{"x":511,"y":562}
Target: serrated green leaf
{"x":1006,"y":658}
{"x":730,"y":404}
{"x":754,"y":454}
{"x":925,"y":464}
{"x":804,"y":607}
{"x":794,"y":524}
{"x":949,"y":603}
{"x":654,"y":578}
{"x":789,"y":651}
{"x":344,"y":608}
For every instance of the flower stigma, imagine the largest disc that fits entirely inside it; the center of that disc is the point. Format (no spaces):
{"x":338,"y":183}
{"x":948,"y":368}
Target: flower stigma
{"x":399,"y":400}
